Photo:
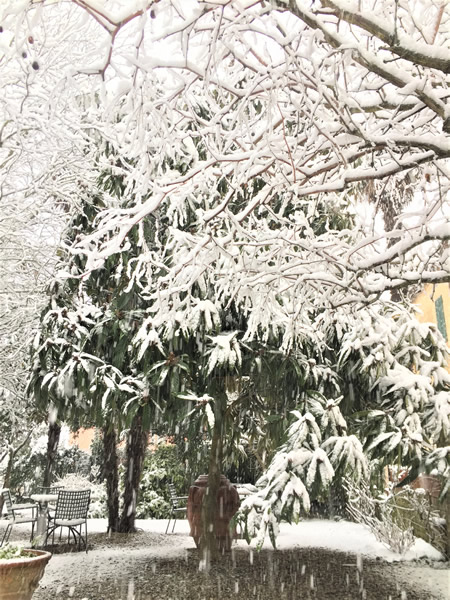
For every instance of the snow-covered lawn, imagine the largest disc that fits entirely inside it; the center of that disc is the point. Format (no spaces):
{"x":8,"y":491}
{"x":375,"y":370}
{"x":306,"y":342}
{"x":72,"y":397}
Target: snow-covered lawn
{"x":339,"y":536}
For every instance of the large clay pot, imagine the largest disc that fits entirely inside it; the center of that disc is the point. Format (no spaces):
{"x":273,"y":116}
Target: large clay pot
{"x":429,"y":483}
{"x":227,"y":504}
{"x":19,"y":577}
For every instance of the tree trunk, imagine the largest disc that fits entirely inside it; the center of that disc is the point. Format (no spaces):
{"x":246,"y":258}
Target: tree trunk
{"x":136,"y":446}
{"x":391,"y":208}
{"x":208,"y":547}
{"x":54,"y":431}
{"x":112,"y":477}
{"x":8,"y":472}
{"x":446,"y":511}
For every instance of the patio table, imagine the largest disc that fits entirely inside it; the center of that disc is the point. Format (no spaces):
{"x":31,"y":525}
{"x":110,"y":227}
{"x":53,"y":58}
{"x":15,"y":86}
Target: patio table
{"x":43,"y":501}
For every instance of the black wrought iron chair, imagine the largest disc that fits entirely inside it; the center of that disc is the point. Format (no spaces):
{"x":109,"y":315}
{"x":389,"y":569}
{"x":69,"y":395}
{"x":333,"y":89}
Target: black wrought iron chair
{"x":71,"y":511}
{"x":178,"y":506}
{"x":16,"y":515}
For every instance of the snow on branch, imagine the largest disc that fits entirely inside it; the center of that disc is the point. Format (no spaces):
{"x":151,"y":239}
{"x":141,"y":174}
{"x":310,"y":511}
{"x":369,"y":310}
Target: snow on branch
{"x":235,"y":123}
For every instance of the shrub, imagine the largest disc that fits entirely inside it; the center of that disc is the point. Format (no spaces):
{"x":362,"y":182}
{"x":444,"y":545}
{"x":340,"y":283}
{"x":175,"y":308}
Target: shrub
{"x":162,"y":466}
{"x":379,"y":516}
{"x":413,"y":508}
{"x":13,"y":551}
{"x":28,"y":471}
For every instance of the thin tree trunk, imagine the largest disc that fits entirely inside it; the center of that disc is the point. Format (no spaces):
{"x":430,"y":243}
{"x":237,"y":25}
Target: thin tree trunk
{"x":7,"y":479}
{"x":136,"y":446}
{"x":391,"y":208}
{"x":112,"y":477}
{"x":54,"y":431}
{"x":208,"y":546}
{"x":447,"y":523}
{"x":12,"y":452}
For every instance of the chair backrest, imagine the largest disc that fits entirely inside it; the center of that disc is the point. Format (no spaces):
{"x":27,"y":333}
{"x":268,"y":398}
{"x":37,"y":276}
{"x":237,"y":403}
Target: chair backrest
{"x":49,"y":489}
{"x":72,"y":504}
{"x":173,"y":496}
{"x":8,"y":501}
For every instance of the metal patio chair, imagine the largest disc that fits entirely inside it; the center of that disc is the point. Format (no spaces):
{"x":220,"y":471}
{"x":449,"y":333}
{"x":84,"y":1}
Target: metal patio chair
{"x":178,"y":506}
{"x":71,"y":511}
{"x":16,"y":515}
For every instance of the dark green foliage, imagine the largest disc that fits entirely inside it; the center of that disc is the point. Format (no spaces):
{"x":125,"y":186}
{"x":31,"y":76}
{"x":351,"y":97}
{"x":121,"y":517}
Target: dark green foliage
{"x":162,"y":466}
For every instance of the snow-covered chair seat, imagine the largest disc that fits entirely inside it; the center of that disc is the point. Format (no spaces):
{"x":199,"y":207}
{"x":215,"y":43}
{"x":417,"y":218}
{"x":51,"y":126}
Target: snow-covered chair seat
{"x":71,"y":511}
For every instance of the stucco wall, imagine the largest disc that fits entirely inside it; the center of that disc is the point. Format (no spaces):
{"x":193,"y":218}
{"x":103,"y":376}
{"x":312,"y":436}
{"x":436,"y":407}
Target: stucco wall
{"x":83,"y":439}
{"x":426,"y":302}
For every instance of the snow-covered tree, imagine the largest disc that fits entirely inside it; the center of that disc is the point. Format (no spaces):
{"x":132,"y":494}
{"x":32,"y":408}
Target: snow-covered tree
{"x":83,"y":366}
{"x":307,"y":99}
{"x":357,"y":384}
{"x":238,"y":122}
{"x":385,"y":401}
{"x":33,"y":209}
{"x":17,"y":423}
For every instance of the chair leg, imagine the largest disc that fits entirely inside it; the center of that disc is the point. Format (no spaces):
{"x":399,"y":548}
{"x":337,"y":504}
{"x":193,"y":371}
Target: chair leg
{"x":174,"y":521}
{"x":76,"y":540}
{"x":168,"y":523}
{"x":47,"y":534}
{"x":6,"y":534}
{"x":10,"y":531}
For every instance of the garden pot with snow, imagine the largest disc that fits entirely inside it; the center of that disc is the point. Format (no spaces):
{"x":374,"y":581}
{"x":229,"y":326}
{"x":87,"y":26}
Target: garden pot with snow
{"x":227,"y":503}
{"x":20,"y":572}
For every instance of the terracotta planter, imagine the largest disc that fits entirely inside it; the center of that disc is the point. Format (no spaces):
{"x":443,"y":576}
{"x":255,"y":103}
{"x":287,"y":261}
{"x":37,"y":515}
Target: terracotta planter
{"x":227,"y":504}
{"x":429,"y":483}
{"x":20,"y":577}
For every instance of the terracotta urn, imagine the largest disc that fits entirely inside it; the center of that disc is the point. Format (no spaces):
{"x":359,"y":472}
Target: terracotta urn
{"x":19,"y":577}
{"x":227,"y":503}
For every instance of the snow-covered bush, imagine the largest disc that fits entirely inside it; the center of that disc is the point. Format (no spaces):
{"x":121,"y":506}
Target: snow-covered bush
{"x":28,"y":470}
{"x":380,"y":516}
{"x":97,"y":506}
{"x":397,"y":515}
{"x":414,"y":508}
{"x":162,"y":466}
{"x":13,"y":552}
{"x":152,"y":505}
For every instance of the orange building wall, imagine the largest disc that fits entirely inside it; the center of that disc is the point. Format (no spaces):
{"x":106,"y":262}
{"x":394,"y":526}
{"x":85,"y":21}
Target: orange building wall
{"x":426,"y":303}
{"x":83,"y":439}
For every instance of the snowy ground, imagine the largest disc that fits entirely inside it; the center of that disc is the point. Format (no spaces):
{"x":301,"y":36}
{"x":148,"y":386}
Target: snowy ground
{"x":430,"y":576}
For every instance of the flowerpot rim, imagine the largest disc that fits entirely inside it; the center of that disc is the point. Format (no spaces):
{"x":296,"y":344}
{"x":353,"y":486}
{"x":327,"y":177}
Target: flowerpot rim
{"x":206,"y":476}
{"x":40,"y":556}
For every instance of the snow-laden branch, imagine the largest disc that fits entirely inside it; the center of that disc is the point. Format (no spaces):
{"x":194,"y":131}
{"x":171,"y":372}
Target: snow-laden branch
{"x":234,"y":122}
{"x":397,"y":41}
